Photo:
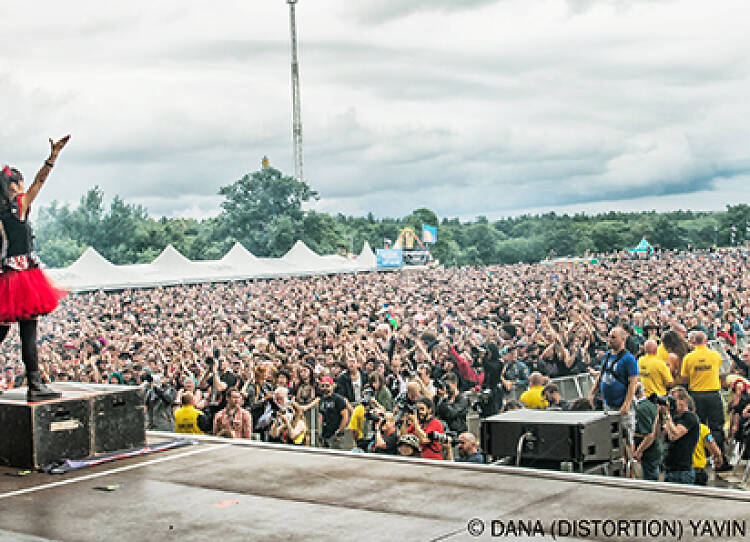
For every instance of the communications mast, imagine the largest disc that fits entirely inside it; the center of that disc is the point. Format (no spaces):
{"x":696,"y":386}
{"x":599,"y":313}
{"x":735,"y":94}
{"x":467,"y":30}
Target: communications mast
{"x":296,"y":111}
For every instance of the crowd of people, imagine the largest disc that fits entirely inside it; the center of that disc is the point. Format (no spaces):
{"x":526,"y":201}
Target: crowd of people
{"x":394,"y":362}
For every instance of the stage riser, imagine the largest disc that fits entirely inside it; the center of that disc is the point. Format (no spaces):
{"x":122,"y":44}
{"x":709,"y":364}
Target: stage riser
{"x":86,"y":420}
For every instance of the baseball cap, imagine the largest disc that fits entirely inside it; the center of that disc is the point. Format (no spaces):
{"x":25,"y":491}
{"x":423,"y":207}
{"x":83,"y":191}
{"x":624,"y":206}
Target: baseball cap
{"x":326,"y":380}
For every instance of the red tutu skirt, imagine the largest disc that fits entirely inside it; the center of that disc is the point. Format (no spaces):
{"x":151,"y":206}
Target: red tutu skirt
{"x":26,"y":294}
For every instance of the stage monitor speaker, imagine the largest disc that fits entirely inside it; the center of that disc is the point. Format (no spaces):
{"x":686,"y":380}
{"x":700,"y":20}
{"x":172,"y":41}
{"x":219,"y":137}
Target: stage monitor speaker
{"x":35,"y":434}
{"x":88,"y":419}
{"x":550,"y":435}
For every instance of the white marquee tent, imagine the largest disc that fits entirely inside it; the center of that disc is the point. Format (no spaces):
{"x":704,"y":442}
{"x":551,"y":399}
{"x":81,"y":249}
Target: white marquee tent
{"x":93,"y":272}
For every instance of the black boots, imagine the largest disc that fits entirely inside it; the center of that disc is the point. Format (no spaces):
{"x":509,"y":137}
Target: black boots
{"x":38,"y":390}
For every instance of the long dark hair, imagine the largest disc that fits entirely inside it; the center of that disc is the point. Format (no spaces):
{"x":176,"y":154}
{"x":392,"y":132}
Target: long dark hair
{"x":675,"y":344}
{"x":8,"y":175}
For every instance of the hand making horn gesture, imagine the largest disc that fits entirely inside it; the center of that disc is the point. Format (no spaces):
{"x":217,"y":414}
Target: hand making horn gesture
{"x":57,"y":146}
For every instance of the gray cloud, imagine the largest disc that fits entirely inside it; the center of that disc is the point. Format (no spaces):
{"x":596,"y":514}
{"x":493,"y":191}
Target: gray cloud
{"x":476,"y":108}
{"x":381,"y":11}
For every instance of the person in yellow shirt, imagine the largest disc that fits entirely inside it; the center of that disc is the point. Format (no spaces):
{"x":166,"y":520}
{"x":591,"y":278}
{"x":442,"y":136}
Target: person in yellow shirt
{"x":705,"y":442}
{"x":532,"y":398}
{"x":357,"y":423}
{"x":186,"y":417}
{"x":700,"y":372}
{"x":654,"y":373}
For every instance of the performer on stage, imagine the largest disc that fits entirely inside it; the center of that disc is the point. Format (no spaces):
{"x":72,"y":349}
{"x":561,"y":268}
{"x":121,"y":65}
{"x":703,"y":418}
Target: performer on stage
{"x":25,"y":291}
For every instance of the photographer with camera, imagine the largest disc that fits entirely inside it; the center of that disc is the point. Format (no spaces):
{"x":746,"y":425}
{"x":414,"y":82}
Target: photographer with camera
{"x":427,"y":429}
{"x":408,"y":399}
{"x":280,"y":413}
{"x":681,"y":430}
{"x":386,"y":437}
{"x":453,"y":406}
{"x":551,"y":394}
{"x":467,"y":450}
{"x":493,"y":373}
{"x":160,"y":398}
{"x":647,"y":447}
{"x":367,"y":410}
{"x":289,"y":426}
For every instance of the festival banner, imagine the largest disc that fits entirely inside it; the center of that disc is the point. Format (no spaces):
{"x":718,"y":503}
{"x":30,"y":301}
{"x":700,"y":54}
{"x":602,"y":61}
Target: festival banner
{"x":390,"y":258}
{"x":429,"y":233}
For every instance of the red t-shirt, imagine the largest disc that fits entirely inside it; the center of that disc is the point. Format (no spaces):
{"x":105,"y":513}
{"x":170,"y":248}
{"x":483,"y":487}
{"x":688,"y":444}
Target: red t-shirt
{"x":431,"y":450}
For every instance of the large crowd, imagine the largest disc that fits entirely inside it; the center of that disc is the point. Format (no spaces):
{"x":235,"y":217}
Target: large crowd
{"x":393,"y":362}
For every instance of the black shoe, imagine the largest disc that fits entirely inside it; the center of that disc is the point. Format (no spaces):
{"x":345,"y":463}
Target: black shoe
{"x":38,"y":390}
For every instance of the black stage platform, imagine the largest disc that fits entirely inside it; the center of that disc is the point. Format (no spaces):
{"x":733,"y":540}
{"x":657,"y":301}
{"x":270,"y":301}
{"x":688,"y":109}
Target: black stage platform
{"x":253,"y":491}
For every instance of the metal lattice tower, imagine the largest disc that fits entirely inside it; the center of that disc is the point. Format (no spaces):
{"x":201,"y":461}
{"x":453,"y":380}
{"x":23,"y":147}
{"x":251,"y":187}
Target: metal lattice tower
{"x":296,"y":109}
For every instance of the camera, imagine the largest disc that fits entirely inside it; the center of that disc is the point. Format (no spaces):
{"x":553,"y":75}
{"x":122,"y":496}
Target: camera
{"x":209,"y":362}
{"x":266,"y":388}
{"x":368,"y":394}
{"x":376,"y":417}
{"x":482,"y":401}
{"x":449,"y":437}
{"x":405,"y":409}
{"x":441,"y":384}
{"x":663,"y":400}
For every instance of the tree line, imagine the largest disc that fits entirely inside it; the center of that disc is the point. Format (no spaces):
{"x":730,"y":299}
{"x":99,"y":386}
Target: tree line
{"x":265,"y":212}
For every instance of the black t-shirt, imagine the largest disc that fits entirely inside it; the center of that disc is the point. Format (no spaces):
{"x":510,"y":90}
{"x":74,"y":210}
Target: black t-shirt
{"x":391,"y":445}
{"x":680,"y":452}
{"x":330,"y":409}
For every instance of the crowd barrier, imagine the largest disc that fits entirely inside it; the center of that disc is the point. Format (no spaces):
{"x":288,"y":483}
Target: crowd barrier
{"x":571,"y":388}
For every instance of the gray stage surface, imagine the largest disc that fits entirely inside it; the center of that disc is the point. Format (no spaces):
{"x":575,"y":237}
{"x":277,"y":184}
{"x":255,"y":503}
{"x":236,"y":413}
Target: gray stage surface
{"x":251,"y":491}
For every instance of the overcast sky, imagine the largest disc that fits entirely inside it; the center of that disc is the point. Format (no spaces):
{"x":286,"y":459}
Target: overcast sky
{"x":468,"y":107}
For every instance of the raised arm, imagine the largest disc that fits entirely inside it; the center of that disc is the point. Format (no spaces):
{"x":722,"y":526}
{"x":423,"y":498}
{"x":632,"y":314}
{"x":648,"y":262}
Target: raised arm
{"x":41,"y":176}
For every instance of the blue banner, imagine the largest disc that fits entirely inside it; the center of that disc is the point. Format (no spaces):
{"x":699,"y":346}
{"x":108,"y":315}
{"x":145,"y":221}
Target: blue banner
{"x":390,"y":258}
{"x":429,"y":234}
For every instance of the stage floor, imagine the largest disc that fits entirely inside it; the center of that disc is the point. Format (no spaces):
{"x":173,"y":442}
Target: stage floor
{"x":223,"y":491}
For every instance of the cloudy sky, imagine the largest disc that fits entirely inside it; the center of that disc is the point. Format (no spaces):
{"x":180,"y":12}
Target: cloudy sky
{"x":468,"y":107}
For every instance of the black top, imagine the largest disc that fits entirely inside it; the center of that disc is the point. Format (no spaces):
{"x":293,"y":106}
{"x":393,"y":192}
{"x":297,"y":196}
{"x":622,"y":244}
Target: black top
{"x":330,"y":409}
{"x":17,"y":232}
{"x":680,"y":452}
{"x":345,"y":388}
{"x":391,"y":445}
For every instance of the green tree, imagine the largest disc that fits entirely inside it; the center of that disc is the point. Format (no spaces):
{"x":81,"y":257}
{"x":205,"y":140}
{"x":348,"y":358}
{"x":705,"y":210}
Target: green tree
{"x":60,"y":252}
{"x":253,"y":203}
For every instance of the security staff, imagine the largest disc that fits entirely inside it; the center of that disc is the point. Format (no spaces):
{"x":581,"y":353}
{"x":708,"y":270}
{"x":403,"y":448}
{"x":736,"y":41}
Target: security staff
{"x":653,"y":371}
{"x":700,"y":372}
{"x":186,"y":418}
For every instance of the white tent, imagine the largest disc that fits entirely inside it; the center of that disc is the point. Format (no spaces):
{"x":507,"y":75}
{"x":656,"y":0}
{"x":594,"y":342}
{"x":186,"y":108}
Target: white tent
{"x":246,"y":265}
{"x":367,"y":259}
{"x":306,"y":262}
{"x":93,"y":272}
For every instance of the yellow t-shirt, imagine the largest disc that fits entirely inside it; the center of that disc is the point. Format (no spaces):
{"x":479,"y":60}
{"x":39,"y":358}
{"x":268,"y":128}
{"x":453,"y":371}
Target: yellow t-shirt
{"x":654,"y":374}
{"x":532,"y":398}
{"x":662,"y":353}
{"x":701,"y":366}
{"x":699,"y":454}
{"x":186,"y":420}
{"x":357,"y":421}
